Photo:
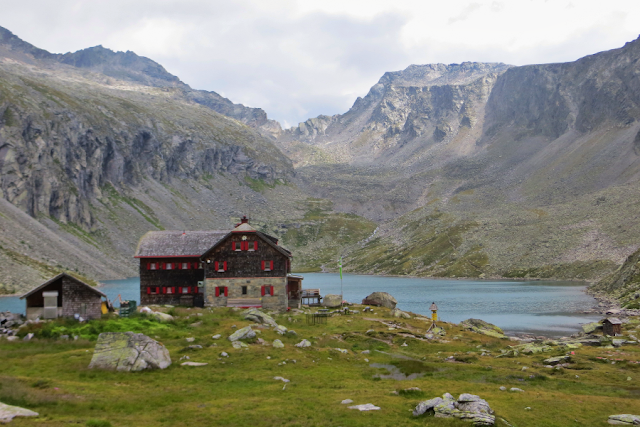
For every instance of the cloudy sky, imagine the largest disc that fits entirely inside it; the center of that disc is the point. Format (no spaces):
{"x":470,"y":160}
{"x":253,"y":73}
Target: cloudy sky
{"x":299,"y":59}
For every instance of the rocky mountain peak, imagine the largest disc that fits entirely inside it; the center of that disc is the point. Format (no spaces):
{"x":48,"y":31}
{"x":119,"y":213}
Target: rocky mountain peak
{"x":440,"y":74}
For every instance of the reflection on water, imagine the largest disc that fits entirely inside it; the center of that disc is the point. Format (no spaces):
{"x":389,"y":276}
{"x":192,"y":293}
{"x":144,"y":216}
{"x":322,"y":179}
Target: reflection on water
{"x":551,"y":308}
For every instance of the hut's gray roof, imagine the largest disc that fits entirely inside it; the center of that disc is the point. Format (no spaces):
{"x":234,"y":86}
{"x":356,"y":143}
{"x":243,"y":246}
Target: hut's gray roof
{"x":172,"y":243}
{"x":60,"y":276}
{"x":613,"y":321}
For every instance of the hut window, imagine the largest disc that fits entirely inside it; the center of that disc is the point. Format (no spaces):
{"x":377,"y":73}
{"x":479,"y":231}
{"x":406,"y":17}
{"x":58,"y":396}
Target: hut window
{"x":186,"y":290}
{"x":266,"y":290}
{"x":236,"y":247}
{"x":252,"y":246}
{"x":154,"y":290}
{"x":153,"y":266}
{"x":222,"y":291}
{"x":267,"y":265}
{"x":185,"y":265}
{"x":168,"y":266}
{"x":244,"y":290}
{"x":168,"y":291}
{"x":220,"y":266}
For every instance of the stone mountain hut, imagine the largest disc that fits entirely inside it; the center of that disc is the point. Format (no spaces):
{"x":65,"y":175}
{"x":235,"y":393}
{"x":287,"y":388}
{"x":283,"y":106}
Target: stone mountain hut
{"x":64,"y":296}
{"x":612,"y":326}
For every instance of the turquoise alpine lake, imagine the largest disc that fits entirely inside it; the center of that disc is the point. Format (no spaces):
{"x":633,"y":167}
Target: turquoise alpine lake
{"x":549,"y":308}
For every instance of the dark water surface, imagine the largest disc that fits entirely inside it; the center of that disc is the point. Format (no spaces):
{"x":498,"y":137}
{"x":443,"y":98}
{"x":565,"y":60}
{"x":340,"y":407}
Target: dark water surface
{"x":549,"y":308}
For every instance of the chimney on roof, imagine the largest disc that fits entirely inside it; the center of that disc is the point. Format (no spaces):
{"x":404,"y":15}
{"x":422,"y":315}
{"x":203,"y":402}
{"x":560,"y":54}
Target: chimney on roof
{"x":244,"y":220}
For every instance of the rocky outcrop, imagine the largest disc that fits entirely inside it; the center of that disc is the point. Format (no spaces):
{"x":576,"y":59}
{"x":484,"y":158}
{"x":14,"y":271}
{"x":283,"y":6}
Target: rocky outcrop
{"x":255,"y":315}
{"x":481,"y":327}
{"x":127,"y":351}
{"x":468,"y":407}
{"x":242,"y":334}
{"x":624,"y":419}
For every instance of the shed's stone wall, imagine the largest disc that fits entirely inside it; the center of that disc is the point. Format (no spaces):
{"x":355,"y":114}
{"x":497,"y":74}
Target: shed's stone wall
{"x":76,"y":296}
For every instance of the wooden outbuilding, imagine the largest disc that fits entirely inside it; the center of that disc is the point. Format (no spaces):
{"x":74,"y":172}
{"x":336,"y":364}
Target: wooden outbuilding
{"x":612,"y":326}
{"x":64,"y":296}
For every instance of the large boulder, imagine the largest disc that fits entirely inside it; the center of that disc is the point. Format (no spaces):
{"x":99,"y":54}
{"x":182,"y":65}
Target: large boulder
{"x":243,"y":334}
{"x":482,"y":327}
{"x":126,"y":351}
{"x":255,"y":315}
{"x":332,"y":300}
{"x":384,"y":299}
{"x":590,"y":328}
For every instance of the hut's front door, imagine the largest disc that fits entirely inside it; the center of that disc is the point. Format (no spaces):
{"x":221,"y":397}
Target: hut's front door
{"x":50,"y":304}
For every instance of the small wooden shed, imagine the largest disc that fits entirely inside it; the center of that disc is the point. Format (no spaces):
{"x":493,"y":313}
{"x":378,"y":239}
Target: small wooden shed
{"x":64,"y":296}
{"x":612,"y":326}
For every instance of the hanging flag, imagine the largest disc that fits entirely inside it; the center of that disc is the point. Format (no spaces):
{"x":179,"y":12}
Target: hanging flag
{"x":340,"y":266}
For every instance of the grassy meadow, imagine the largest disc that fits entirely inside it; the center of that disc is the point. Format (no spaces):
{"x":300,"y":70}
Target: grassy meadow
{"x":50,"y":376}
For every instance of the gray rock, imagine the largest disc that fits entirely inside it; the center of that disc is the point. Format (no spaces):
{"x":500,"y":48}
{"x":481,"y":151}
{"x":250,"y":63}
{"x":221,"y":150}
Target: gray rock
{"x":281,"y":330}
{"x":557,"y":360}
{"x":27,"y":337}
{"x":624,"y":419}
{"x":192,"y":347}
{"x":292,"y":332}
{"x":384,"y":299}
{"x":467,"y":407}
{"x":277,"y":344}
{"x":224,"y":354}
{"x":346,"y":401}
{"x":193,"y":364}
{"x":400,"y":314}
{"x":126,"y":351}
{"x":365,"y":407}
{"x":8,"y":412}
{"x":284,"y":380}
{"x":304,"y":343}
{"x":365,"y":352}
{"x":255,"y":315}
{"x":332,"y":300}
{"x":242,"y":334}
{"x":216,"y":337}
{"x":161,"y":317}
{"x":239,"y":345}
{"x":516,"y":389}
{"x":342,"y":350}
{"x":190,"y":339}
{"x":426,"y":406}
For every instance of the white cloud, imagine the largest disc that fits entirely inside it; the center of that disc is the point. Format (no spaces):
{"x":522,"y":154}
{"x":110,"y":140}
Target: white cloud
{"x":298,"y":59}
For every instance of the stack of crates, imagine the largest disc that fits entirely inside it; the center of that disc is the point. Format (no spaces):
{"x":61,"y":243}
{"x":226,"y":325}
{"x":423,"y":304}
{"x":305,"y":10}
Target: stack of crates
{"x":127,"y":307}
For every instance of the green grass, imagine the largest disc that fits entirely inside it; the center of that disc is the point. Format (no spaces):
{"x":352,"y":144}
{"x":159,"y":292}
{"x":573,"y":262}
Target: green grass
{"x":51,"y":377}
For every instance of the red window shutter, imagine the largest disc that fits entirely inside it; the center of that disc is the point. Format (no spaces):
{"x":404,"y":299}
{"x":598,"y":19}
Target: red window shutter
{"x":271,"y":291}
{"x":255,"y":245}
{"x":188,"y":265}
{"x":217,"y":291}
{"x":262,"y":268}
{"x":233,"y":246}
{"x":226,"y":291}
{"x":216,"y":265}
{"x":262,"y":290}
{"x":271,"y":265}
{"x":164,"y":290}
{"x":157,"y":289}
{"x":148,"y":266}
{"x":148,"y":291}
{"x":224,"y":266}
{"x":173,"y":290}
{"x":195,"y":290}
{"x":189,"y":290}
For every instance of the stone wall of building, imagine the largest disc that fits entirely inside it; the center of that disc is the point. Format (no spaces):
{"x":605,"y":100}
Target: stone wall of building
{"x":254,"y":285}
{"x":78,"y":299}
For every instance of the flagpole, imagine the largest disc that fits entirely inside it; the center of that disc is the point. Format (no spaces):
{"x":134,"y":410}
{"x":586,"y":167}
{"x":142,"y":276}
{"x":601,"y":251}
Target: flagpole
{"x":341,"y":293}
